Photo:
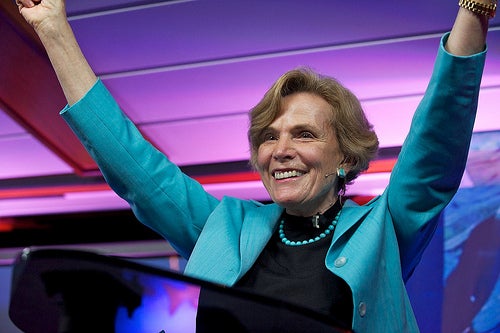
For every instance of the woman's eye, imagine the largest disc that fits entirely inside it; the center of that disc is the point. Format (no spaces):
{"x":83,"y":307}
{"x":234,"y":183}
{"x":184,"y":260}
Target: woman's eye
{"x":269,"y":137}
{"x":306,"y":135}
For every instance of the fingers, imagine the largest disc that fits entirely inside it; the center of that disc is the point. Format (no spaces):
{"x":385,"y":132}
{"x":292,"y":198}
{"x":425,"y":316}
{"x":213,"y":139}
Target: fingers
{"x":27,"y":3}
{"x":22,"y":4}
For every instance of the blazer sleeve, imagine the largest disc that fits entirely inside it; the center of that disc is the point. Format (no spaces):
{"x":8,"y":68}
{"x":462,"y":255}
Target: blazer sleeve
{"x":160,"y":195}
{"x":432,"y":160}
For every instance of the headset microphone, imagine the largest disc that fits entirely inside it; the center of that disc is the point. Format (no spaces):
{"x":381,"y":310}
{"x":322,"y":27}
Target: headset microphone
{"x":329,"y":174}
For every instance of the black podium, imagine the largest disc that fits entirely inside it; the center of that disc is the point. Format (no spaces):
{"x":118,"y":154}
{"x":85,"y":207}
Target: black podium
{"x":72,"y":291}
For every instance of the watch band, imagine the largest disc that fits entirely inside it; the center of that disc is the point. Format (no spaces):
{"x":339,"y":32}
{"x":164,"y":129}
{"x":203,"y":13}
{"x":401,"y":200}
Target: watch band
{"x":480,"y":8}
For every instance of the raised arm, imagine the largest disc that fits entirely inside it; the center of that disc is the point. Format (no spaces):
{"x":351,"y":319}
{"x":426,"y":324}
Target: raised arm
{"x":160,"y":195}
{"x":48,"y":19}
{"x":432,"y":159}
{"x":468,"y":35}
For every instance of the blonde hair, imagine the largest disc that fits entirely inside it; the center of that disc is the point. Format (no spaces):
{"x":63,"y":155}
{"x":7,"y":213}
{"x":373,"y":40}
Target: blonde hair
{"x":355,"y":135}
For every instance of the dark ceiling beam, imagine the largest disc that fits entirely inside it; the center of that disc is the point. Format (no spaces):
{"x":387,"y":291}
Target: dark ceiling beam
{"x":97,"y":184}
{"x":30,"y":92}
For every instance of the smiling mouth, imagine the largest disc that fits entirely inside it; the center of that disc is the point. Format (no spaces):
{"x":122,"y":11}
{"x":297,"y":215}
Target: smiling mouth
{"x":287,"y":174}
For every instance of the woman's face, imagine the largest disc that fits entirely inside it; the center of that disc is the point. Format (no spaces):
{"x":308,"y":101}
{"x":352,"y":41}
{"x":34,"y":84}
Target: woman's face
{"x":298,"y":150}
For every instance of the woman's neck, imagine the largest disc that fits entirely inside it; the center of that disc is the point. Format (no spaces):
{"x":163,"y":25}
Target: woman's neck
{"x":312,"y":212}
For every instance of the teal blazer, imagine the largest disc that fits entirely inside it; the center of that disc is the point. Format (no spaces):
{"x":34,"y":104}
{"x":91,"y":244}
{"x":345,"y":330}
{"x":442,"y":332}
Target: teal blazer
{"x":375,"y":247}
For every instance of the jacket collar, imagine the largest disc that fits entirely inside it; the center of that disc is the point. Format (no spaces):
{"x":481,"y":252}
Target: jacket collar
{"x":351,"y":214}
{"x":256,"y":231}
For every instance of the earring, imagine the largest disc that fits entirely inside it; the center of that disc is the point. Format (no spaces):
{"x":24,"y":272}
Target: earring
{"x":341,"y":172}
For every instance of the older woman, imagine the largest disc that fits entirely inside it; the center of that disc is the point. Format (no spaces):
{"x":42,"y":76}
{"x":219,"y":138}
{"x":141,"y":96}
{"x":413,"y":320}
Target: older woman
{"x":309,"y":137}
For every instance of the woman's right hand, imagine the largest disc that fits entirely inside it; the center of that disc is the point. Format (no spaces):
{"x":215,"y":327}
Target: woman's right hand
{"x":48,"y":18}
{"x":45,"y":16}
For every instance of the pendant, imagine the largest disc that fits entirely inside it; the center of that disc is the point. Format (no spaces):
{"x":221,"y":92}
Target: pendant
{"x":315,"y":221}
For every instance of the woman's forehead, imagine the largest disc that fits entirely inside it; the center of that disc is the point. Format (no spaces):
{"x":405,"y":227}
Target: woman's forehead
{"x":305,"y":105}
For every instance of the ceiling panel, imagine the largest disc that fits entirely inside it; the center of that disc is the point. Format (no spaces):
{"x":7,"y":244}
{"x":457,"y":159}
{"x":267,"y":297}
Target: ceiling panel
{"x":8,"y":126}
{"x":23,"y":156}
{"x":371,"y":71}
{"x":222,"y":139}
{"x":195,"y":31}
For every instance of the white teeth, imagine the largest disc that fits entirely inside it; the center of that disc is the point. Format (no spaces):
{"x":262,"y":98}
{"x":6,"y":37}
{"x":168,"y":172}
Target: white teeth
{"x":287,"y":174}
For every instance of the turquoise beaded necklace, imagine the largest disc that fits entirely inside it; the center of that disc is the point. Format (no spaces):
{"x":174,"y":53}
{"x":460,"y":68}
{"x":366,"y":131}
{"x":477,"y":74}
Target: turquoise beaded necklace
{"x":330,"y":229}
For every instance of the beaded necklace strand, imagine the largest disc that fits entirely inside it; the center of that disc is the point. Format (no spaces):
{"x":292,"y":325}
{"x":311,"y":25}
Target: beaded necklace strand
{"x":322,"y":235}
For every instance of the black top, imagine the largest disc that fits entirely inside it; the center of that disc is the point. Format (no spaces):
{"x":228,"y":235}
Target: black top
{"x":298,"y":274}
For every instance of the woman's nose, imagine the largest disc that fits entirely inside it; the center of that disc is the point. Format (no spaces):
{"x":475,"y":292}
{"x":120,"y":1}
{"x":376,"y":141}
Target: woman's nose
{"x":283,"y":149}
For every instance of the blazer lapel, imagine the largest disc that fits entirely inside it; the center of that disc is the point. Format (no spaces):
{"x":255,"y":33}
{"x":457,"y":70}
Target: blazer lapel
{"x":258,"y":227}
{"x":225,"y":251}
{"x":351,"y":214}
